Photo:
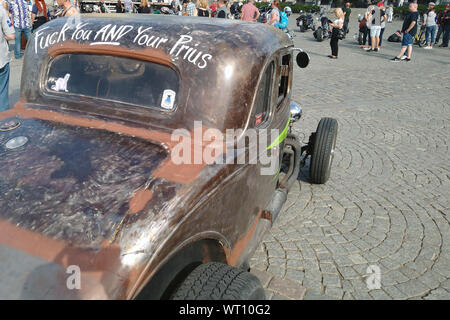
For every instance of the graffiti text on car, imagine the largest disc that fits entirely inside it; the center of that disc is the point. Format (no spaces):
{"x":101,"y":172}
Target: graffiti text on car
{"x":184,"y":48}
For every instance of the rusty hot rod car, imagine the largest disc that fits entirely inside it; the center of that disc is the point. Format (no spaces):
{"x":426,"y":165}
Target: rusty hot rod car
{"x":93,"y":201}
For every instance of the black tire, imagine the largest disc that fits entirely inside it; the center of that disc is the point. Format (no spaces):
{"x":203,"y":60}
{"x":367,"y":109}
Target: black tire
{"x":302,"y":28}
{"x":218,"y":281}
{"x":323,"y":150}
{"x":422,"y":40}
{"x":319,"y":35}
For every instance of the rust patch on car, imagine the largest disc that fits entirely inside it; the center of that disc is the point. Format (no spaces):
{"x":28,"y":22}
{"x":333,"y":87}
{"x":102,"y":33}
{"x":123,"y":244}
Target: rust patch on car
{"x":145,"y":54}
{"x":7,"y":114}
{"x":241,"y":244}
{"x":56,"y":251}
{"x":151,"y":135}
{"x":180,"y":173}
{"x":139,"y":200}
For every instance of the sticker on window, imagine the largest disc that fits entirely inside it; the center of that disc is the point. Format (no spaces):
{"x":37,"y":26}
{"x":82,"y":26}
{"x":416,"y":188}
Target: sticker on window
{"x":61,"y":83}
{"x":168,"y":99}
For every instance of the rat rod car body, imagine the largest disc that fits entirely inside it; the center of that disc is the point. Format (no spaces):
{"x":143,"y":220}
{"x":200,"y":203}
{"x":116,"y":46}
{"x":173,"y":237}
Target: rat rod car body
{"x":93,"y":205}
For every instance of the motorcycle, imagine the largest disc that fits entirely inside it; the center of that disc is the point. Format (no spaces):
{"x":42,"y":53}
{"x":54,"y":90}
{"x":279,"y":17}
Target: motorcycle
{"x":167,"y":10}
{"x":264,"y":11}
{"x":235,"y":10}
{"x":323,"y":31}
{"x":305,"y":21}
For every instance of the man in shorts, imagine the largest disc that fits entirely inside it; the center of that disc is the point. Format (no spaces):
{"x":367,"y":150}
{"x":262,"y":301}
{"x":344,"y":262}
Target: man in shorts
{"x":409,"y":30}
{"x":374,"y":16}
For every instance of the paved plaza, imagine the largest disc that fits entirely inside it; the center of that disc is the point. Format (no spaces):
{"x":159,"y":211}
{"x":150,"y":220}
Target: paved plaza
{"x":387,"y":203}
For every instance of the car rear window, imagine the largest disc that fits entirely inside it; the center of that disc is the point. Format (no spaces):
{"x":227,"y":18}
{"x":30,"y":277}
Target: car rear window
{"x":114,"y":78}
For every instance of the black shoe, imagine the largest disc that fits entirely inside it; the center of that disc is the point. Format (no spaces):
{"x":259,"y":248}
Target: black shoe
{"x":442,"y":46}
{"x":407,"y":59}
{"x":395,"y":59}
{"x":376,"y":50}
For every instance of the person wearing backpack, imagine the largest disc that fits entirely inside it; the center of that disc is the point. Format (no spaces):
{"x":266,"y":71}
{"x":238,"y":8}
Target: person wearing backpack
{"x":222,"y":10}
{"x":284,"y":21}
{"x":274,"y":15}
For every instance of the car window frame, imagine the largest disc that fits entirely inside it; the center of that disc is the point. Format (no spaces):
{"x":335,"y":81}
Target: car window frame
{"x":288,"y":69}
{"x":107,"y":103}
{"x":266,"y":123}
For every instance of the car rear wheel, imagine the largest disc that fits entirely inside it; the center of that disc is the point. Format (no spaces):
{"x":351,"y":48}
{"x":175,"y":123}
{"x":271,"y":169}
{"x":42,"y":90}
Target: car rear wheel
{"x":218,"y":281}
{"x":323,"y":150}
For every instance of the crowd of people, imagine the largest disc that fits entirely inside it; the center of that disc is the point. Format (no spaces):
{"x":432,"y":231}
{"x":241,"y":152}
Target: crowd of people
{"x":431,"y":22}
{"x":23,"y":17}
{"x":198,"y":8}
{"x":373,"y":23}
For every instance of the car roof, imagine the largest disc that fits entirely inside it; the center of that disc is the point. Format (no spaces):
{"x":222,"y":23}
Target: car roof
{"x":210,"y":36}
{"x":202,"y":50}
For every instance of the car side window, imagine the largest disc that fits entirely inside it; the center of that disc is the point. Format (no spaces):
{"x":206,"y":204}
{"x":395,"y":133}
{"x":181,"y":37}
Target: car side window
{"x":263,"y":96}
{"x":283,"y":80}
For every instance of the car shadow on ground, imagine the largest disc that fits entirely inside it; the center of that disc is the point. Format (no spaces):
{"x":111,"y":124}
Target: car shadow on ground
{"x":303,"y":174}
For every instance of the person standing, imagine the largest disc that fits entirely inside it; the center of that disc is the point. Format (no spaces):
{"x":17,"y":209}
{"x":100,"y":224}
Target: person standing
{"x":119,"y":7}
{"x":347,"y":11}
{"x":274,"y":15}
{"x":213,"y":8}
{"x":249,"y":11}
{"x":6,"y":34}
{"x":367,"y":16}
{"x":222,"y":10}
{"x":39,"y":14}
{"x":191,"y":9}
{"x":440,"y":25}
{"x":429,"y":20}
{"x":446,"y":26}
{"x":364,"y":30}
{"x":68,"y":8}
{"x":202,"y":8}
{"x":374,"y":16}
{"x":102,"y":7}
{"x":390,"y":13}
{"x":409,"y":30}
{"x":143,"y":7}
{"x":19,"y":14}
{"x":382,"y":24}
{"x":336,"y":25}
{"x":128,"y":5}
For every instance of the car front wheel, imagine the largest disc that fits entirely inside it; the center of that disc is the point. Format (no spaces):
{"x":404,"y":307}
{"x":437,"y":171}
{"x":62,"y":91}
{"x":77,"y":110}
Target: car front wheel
{"x":218,"y":281}
{"x":323,"y":150}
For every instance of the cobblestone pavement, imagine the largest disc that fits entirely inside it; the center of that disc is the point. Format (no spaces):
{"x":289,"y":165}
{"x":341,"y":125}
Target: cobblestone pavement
{"x":387,"y":203}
